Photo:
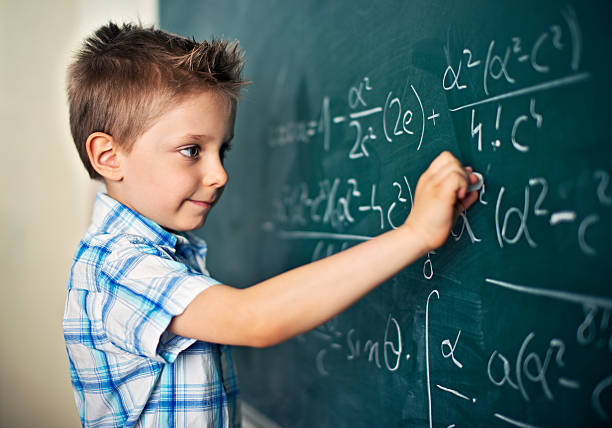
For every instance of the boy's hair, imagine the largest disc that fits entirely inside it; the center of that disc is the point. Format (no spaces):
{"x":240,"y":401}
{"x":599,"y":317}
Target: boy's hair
{"x":125,"y":77}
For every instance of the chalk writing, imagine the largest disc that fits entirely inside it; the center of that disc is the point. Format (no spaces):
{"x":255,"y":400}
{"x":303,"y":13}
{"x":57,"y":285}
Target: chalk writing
{"x":498,"y":97}
{"x":340,"y":202}
{"x":398,"y":118}
{"x":385,"y":353}
{"x":528,"y":366}
{"x":534,"y":203}
{"x":494,"y":64}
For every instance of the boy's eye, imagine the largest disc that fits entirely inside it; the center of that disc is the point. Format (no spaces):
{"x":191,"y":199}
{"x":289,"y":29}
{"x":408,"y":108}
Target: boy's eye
{"x":191,"y":152}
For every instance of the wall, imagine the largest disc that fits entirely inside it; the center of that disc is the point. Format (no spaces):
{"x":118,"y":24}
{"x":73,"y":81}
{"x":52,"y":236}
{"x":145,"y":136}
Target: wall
{"x":45,"y":199}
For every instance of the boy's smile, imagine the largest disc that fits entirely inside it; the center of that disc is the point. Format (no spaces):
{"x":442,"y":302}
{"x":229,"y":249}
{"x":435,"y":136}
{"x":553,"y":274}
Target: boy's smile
{"x":174,"y":172}
{"x":203,"y":204}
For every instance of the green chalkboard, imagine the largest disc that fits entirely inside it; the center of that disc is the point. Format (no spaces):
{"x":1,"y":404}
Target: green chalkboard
{"x":510,"y":322}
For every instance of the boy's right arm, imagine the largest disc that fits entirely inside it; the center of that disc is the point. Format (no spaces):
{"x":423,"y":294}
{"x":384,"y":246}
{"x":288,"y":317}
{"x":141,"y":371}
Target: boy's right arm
{"x":303,"y":298}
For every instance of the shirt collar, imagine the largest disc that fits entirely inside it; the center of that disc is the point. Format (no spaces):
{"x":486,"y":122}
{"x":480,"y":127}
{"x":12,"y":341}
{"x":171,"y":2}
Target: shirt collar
{"x":113,"y":217}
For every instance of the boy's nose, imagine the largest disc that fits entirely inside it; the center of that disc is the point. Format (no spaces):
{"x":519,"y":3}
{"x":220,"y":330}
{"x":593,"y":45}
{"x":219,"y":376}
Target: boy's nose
{"x":215,"y":175}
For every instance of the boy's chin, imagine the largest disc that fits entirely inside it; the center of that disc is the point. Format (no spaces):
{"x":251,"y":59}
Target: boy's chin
{"x":186,"y":226}
{"x":192,"y":227}
{"x":198,"y":224}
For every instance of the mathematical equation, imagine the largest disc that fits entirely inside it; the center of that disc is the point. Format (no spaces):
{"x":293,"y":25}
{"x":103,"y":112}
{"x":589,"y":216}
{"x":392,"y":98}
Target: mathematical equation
{"x":498,"y":62}
{"x":395,"y":120}
{"x":533,"y":213}
{"x":506,"y":63}
{"x":534,"y":370}
{"x":341,"y":202}
{"x":385,"y":351}
{"x":512,"y":217}
{"x":531,"y":371}
{"x":338,"y":202}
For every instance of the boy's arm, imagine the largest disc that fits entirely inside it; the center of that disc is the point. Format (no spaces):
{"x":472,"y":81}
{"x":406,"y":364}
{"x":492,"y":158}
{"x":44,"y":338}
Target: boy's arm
{"x":303,"y":298}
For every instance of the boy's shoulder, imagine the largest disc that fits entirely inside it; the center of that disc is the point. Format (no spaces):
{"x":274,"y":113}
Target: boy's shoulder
{"x":115,"y":240}
{"x":119,"y":239}
{"x":103,"y":254}
{"x":111,"y":220}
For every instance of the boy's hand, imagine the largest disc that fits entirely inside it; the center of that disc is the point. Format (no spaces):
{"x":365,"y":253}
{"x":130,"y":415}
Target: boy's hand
{"x":441,"y":195}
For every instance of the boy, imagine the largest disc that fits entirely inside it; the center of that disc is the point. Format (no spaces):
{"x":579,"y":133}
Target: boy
{"x":146,"y":327}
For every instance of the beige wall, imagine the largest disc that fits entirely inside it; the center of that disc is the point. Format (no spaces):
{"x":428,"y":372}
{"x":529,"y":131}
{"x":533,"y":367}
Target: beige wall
{"x":45,"y":199}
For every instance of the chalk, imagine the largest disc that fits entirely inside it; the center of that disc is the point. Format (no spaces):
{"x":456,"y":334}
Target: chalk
{"x":476,"y":186}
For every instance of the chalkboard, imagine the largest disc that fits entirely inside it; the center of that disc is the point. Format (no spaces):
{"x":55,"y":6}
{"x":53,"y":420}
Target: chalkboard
{"x":509,"y":323}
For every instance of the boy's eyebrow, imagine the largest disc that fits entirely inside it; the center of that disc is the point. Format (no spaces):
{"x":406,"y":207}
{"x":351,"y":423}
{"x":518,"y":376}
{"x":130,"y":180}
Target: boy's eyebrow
{"x":202,"y":138}
{"x":198,"y":137}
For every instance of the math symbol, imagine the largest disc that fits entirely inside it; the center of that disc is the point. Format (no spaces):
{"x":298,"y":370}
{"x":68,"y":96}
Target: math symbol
{"x":448,"y":350}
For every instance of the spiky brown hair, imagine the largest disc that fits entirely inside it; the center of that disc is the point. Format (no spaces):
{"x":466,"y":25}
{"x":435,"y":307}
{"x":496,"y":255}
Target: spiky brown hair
{"x":125,"y":77}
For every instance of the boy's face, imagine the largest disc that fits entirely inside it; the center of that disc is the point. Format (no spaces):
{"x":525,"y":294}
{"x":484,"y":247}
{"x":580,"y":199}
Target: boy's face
{"x":174,"y":173}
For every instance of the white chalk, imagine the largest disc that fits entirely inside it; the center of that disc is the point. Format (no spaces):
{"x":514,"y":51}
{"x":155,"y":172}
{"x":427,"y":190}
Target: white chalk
{"x":476,"y":186}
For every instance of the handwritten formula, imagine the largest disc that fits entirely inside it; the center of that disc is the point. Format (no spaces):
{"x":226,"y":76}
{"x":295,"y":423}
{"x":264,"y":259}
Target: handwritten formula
{"x":495,"y":100}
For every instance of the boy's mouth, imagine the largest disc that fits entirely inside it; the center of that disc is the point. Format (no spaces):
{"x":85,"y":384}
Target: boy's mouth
{"x":203,"y":204}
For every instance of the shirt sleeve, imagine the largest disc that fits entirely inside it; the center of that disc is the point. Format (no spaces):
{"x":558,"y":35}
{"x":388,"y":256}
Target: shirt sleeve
{"x":142,"y":288}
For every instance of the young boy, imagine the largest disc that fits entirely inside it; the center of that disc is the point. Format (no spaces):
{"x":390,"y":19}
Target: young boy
{"x":146,"y":327}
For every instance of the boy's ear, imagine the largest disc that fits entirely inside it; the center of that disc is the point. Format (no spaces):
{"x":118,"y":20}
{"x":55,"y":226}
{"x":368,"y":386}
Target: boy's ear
{"x":102,"y":152}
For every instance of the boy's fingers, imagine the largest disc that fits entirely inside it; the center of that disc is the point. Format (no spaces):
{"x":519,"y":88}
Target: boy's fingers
{"x":449,"y":175}
{"x":472,"y":178}
{"x":462,"y":205}
{"x":445,"y":175}
{"x":459,"y":208}
{"x":440,"y":177}
{"x":454,"y":183}
{"x":443,"y":160}
{"x":446,"y":160}
{"x":469,"y":199}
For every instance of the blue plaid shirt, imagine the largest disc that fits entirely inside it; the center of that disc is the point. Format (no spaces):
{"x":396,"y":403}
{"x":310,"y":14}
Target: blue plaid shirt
{"x":128,"y":279}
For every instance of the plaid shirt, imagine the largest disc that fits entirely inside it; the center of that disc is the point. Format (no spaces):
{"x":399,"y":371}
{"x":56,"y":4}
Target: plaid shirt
{"x":128,"y":279}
